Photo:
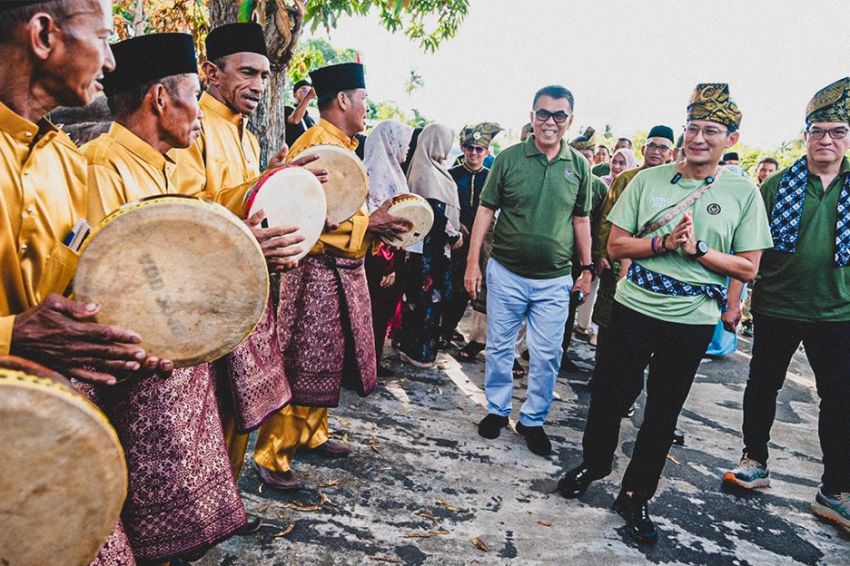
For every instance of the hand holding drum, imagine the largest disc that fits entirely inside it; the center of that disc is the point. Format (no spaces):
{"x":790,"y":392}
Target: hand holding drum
{"x":412,"y":212}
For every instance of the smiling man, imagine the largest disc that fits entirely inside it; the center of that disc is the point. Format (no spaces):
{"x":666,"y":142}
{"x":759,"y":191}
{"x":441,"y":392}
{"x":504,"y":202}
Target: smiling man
{"x":542,"y":188}
{"x":678,"y":224}
{"x":803,"y":295}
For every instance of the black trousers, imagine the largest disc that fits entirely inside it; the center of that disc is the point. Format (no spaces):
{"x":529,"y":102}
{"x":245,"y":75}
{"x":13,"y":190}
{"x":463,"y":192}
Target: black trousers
{"x":455,"y":308}
{"x":828,"y":349}
{"x":673,"y":352}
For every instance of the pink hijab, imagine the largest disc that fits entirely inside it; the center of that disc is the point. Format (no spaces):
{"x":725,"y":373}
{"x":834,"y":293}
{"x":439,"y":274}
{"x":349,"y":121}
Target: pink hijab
{"x":631,"y":163}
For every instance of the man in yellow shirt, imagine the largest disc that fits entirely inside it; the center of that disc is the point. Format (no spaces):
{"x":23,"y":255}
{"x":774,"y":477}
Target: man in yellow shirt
{"x":329,"y":286}
{"x":221,"y":165}
{"x":182,"y":496}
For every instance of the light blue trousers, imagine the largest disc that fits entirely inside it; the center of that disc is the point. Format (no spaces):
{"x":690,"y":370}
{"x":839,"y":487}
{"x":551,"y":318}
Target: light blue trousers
{"x":545,"y":303}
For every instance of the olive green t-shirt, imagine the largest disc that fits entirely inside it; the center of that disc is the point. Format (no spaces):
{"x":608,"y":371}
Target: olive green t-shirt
{"x":730,"y":216}
{"x":806,"y":285}
{"x":537,"y":200}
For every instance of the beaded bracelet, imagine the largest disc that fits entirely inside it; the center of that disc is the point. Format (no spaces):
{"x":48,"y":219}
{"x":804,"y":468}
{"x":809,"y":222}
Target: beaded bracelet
{"x":654,"y":243}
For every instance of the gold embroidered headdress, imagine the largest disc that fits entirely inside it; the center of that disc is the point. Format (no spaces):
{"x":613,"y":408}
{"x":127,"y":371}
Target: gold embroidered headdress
{"x":711,"y":102}
{"x":831,"y":103}
{"x":480,"y":134}
{"x":585,"y":141}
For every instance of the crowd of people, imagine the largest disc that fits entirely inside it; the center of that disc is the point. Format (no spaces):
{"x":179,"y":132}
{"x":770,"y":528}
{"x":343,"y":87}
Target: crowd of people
{"x":655,"y":251}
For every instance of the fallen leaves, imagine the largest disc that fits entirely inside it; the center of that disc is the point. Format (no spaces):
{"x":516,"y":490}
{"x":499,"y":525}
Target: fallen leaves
{"x":427,"y":534}
{"x":386,"y":559}
{"x":480,"y":544}
{"x":544,"y":523}
{"x":447,"y":505}
{"x":672,"y":459}
{"x":285,"y":531}
{"x":303,"y":508}
{"x":373,"y":444}
{"x":331,"y":483}
{"x":428,"y":515}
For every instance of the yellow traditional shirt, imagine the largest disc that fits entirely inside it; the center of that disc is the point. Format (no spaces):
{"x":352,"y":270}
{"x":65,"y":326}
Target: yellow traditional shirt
{"x":224,"y":161}
{"x":124,"y":168}
{"x":43,"y":182}
{"x":350,"y":238}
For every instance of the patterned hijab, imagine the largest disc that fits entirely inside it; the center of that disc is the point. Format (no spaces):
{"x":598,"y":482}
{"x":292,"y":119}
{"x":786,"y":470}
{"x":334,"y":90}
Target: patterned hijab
{"x":386,"y":149}
{"x":428,"y":177}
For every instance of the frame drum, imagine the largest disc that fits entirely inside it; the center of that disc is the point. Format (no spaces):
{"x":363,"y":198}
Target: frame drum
{"x":415,"y":210}
{"x":63,"y":476}
{"x":348,"y":182}
{"x":186,"y":274}
{"x":291,"y":196}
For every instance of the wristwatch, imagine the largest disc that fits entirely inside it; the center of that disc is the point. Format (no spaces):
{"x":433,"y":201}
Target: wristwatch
{"x":589,"y":268}
{"x":702,"y":249}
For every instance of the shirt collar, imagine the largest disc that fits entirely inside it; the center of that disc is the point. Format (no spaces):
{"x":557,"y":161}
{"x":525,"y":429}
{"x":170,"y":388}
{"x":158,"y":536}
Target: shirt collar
{"x":564,"y":153}
{"x":19,"y":127}
{"x":845,"y":166}
{"x":350,"y":143}
{"x":209,"y":103}
{"x":137,"y":146}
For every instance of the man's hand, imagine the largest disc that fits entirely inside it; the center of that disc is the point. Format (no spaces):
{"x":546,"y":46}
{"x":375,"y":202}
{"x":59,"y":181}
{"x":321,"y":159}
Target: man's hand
{"x":303,"y":161}
{"x":602,"y":265}
{"x":583,"y":283}
{"x":279,"y":158}
{"x":388,"y":280}
{"x":683,"y":236}
{"x":60,"y":334}
{"x":732,"y":317}
{"x":279,"y":244}
{"x":472,"y":279}
{"x":383,"y":223}
{"x":464,"y":231}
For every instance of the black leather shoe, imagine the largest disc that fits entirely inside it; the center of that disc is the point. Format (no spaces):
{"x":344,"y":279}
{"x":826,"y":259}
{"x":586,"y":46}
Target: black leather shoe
{"x":679,"y":437}
{"x":491,"y":426}
{"x":635,"y":511}
{"x":535,"y":438}
{"x":252,"y":526}
{"x":576,"y":481}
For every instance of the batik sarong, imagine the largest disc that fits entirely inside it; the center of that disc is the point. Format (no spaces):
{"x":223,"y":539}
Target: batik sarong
{"x":325,"y":330}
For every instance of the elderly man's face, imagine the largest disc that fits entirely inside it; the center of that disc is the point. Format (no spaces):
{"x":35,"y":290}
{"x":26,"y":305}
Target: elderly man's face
{"x":545,"y":116}
{"x":822,"y":147}
{"x":80,"y":55}
{"x":180,"y":121}
{"x":656,"y":151}
{"x":242,"y":80}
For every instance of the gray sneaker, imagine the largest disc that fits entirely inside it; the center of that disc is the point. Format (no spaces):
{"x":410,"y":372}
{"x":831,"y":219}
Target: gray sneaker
{"x":833,"y":507}
{"x":749,"y":474}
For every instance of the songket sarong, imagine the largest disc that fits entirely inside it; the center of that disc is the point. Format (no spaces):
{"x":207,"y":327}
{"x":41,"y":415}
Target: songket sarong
{"x":181,"y":495}
{"x":251,"y":379}
{"x":116,"y":550}
{"x":325,"y":330}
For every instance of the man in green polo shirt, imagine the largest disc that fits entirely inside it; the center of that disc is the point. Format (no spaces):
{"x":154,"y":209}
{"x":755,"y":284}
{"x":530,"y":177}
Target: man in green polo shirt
{"x":678,"y":224}
{"x":802,"y":294}
{"x":542,"y":188}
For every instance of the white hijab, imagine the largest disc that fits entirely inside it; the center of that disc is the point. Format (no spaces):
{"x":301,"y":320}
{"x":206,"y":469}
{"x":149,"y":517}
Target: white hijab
{"x":428,"y":177}
{"x":386,"y":148}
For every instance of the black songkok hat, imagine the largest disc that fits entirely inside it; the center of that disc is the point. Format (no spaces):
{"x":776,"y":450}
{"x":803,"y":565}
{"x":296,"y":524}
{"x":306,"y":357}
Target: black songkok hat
{"x":731,"y":156}
{"x":335,"y":78}
{"x":662,"y":132}
{"x":147,"y":58}
{"x":299,"y":84}
{"x":241,"y":37}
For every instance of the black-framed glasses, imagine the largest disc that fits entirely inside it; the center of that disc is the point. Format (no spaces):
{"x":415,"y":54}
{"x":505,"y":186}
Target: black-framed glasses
{"x":708,"y":132}
{"x":838,"y":133}
{"x":658,"y":146}
{"x":559,"y":117}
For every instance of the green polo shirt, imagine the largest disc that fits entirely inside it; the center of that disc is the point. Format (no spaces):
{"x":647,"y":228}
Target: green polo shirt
{"x":729,"y":216}
{"x":537,"y":200}
{"x":601,"y":169}
{"x":806,"y":285}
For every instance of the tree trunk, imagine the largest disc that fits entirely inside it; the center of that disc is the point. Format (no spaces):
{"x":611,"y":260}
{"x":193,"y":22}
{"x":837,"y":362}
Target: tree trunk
{"x":283,"y":25}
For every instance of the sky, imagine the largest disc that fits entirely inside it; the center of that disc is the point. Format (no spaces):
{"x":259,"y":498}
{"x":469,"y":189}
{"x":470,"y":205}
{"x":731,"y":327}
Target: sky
{"x":631,"y":64}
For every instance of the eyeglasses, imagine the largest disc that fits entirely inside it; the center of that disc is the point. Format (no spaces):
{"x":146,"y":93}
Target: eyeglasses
{"x":708,"y":132}
{"x":559,"y":117}
{"x":657,"y":146}
{"x":474,"y":148}
{"x":838,"y":133}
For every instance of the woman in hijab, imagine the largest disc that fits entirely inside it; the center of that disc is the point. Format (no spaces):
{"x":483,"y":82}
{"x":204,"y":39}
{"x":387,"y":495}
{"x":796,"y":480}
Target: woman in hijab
{"x":623,"y":159}
{"x":427,"y":274}
{"x":385,"y":151}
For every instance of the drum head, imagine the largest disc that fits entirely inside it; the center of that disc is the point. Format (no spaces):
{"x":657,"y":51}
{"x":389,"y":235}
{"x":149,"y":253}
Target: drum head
{"x":187,"y":275}
{"x":62,"y":473}
{"x":292,"y":197}
{"x":415,"y":210}
{"x":348,"y":182}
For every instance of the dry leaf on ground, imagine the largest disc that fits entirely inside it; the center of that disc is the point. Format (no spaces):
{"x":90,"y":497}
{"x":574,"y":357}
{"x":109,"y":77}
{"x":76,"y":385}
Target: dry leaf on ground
{"x":373,"y":444}
{"x":430,"y":517}
{"x":330,"y":483}
{"x":285,"y":531}
{"x":386,"y":559}
{"x":544,"y":522}
{"x":480,"y":544}
{"x":427,"y":534}
{"x":447,"y":505}
{"x":303,"y":508}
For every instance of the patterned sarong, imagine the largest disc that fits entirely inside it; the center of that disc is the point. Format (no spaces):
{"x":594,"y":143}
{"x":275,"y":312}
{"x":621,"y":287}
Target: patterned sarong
{"x":325,"y":330}
{"x":666,"y":285}
{"x":181,"y":495}
{"x":251,"y":379}
{"x":787,"y":214}
{"x":116,"y":550}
